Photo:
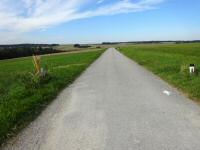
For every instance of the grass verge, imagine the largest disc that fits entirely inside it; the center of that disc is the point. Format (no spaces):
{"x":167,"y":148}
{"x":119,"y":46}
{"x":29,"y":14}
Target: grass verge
{"x":20,"y":101}
{"x":170,"y":62}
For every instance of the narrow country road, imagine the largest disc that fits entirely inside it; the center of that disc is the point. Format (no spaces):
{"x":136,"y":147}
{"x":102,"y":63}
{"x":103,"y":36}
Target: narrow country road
{"x":115,"y":105}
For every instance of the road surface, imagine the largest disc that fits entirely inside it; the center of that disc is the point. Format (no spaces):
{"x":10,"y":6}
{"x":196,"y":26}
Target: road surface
{"x":115,"y":105}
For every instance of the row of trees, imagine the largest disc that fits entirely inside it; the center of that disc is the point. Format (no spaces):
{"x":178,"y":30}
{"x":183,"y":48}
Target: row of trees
{"x":81,"y":46}
{"x":23,"y":51}
{"x":150,"y":42}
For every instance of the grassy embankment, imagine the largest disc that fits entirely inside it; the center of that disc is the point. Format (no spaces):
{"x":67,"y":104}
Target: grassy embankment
{"x":170,"y":62}
{"x":21,"y":100}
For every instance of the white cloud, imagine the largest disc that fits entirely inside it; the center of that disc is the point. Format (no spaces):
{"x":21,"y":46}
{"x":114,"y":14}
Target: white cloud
{"x":100,"y":1}
{"x":29,"y":15}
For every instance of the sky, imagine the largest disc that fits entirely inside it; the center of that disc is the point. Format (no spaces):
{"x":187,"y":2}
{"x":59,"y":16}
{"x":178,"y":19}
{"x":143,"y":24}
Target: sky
{"x":96,"y":21}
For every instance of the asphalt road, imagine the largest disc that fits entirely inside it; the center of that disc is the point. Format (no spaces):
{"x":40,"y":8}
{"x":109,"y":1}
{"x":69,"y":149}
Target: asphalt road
{"x":115,"y":105}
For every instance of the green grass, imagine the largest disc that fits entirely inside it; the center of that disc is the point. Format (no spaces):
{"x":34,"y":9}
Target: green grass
{"x":69,"y":48}
{"x":170,"y":62}
{"x":21,"y":103}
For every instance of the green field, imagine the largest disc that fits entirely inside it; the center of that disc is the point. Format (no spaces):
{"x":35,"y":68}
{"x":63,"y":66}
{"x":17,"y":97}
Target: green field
{"x":69,"y":47}
{"x":21,"y":101}
{"x":170,"y":62}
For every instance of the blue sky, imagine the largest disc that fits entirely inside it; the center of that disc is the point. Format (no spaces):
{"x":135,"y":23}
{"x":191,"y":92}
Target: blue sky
{"x":95,"y":21}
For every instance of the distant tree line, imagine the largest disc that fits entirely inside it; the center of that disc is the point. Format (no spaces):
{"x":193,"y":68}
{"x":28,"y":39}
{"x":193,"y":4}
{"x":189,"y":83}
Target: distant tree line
{"x":27,"y":45}
{"x":112,"y":43}
{"x":150,"y":42}
{"x":81,"y":46}
{"x":23,"y":50}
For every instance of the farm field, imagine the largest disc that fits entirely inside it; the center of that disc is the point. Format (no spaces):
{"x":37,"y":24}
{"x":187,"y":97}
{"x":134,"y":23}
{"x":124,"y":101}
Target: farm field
{"x":21,"y":101}
{"x":71,"y":48}
{"x":170,"y":62}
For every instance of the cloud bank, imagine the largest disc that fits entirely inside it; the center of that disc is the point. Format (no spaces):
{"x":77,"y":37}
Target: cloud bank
{"x":29,"y":15}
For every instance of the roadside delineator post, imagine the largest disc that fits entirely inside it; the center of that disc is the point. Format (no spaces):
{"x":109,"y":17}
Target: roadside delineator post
{"x":192,"y":69}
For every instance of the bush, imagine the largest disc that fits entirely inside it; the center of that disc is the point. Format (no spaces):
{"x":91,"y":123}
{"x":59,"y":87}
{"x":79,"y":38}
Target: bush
{"x":30,"y":80}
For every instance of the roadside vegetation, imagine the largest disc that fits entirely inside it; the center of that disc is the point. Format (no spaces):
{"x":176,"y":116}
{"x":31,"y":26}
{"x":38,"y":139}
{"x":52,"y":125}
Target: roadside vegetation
{"x":170,"y":62}
{"x":23,"y":50}
{"x":23,"y":93}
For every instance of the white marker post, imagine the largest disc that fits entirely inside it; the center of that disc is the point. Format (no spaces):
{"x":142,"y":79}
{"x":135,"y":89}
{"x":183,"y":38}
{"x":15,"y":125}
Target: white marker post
{"x":192,"y":68}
